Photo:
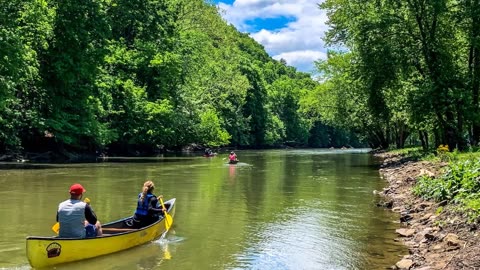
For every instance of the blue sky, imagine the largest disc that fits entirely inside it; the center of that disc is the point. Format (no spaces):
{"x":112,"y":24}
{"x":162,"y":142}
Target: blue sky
{"x":288,"y":29}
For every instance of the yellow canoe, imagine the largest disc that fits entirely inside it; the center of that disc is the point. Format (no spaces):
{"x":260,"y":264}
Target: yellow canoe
{"x":48,"y":251}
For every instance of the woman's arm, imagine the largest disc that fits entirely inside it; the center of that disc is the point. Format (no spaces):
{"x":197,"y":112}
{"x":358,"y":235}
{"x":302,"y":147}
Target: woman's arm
{"x":152,"y":206}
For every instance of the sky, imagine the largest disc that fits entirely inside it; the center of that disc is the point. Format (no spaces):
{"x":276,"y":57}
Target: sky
{"x":288,"y":29}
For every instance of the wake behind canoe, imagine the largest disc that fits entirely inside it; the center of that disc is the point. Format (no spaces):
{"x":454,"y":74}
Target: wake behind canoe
{"x":48,"y":251}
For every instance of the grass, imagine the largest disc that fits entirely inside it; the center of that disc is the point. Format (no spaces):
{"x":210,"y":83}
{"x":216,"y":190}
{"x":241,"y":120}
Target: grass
{"x":418,"y":153}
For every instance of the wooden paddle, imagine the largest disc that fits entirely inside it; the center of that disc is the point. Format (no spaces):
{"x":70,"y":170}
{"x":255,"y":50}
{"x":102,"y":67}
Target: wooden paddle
{"x":168,"y":217}
{"x":56,"y":226}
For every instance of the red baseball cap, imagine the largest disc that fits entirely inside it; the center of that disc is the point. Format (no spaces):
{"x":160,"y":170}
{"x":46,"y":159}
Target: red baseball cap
{"x":77,"y":189}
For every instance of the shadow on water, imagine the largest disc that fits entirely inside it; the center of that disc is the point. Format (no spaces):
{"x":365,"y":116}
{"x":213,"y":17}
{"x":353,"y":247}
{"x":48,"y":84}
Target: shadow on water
{"x":147,"y":159}
{"x":100,"y":162}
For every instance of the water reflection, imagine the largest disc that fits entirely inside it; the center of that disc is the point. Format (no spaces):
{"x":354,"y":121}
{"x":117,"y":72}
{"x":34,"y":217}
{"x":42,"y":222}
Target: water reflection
{"x":231,"y":173}
{"x":150,"y":256}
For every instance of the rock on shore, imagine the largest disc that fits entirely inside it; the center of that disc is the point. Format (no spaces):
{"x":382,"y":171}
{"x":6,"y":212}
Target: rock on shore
{"x":437,"y":236}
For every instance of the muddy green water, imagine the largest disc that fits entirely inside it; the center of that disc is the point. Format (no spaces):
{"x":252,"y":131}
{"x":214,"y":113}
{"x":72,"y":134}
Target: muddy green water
{"x":280,"y":209}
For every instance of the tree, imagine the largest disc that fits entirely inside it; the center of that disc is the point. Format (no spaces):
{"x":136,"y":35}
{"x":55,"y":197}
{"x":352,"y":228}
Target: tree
{"x":69,"y":69}
{"x":25,"y":28}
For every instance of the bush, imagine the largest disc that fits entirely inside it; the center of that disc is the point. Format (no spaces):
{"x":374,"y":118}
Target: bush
{"x":446,"y":156}
{"x":459,"y":184}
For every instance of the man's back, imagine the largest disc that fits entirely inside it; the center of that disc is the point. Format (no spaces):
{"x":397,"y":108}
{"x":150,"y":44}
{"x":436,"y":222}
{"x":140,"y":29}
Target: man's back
{"x":71,"y":216}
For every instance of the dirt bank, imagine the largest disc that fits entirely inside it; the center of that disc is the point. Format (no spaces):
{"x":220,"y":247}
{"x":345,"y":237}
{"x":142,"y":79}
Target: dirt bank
{"x":437,"y":237}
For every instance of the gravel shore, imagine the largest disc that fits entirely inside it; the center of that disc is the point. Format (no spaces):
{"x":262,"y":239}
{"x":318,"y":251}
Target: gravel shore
{"x":437,"y":236}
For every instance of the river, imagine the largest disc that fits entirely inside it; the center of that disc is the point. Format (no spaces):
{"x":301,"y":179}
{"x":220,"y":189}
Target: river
{"x":275,"y":209}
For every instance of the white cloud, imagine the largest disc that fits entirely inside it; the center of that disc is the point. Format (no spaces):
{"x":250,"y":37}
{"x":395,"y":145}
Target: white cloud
{"x":303,"y":60}
{"x":299,"y":42}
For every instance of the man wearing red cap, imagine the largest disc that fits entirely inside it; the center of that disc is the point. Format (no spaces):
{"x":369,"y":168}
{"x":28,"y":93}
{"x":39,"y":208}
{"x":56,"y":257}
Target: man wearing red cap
{"x":77,"y":217}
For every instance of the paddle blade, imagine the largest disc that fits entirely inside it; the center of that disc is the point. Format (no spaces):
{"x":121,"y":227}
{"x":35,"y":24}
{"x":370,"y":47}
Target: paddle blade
{"x":168,"y":221}
{"x":56,"y":228}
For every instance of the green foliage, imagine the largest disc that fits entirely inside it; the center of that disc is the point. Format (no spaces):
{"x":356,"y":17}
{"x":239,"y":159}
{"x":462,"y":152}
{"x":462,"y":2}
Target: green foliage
{"x":159,"y":122}
{"x":460,"y":184}
{"x":69,"y":69}
{"x":275,"y":133}
{"x":341,"y":100}
{"x":429,"y":188}
{"x":254,"y":107}
{"x":413,"y":68}
{"x":446,"y":156}
{"x":413,"y":153}
{"x":211,"y":131}
{"x":472,"y":207}
{"x":151,"y":74}
{"x":408,"y":151}
{"x":25,"y":27}
{"x":284,"y":95}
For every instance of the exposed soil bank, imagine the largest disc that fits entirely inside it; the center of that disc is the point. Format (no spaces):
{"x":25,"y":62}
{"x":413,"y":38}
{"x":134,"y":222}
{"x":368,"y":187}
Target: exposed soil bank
{"x":437,"y":237}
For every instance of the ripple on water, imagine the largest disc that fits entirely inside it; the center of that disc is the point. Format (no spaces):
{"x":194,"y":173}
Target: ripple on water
{"x":303,"y":241}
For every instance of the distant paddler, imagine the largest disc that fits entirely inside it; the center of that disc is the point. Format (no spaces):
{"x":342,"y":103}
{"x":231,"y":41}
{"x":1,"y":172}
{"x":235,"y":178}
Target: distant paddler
{"x":232,"y":158}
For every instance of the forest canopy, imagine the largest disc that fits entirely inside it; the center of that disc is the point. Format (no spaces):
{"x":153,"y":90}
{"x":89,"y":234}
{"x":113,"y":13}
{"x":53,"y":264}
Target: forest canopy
{"x":408,"y":70}
{"x":146,"y":74}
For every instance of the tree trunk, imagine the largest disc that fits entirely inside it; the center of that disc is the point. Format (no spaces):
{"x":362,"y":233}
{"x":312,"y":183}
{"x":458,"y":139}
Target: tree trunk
{"x":475,"y":92}
{"x":474,"y":62}
{"x":450,"y":131}
{"x":425,"y":134}
{"x":401,"y":135}
{"x":462,"y":145}
{"x":420,"y":135}
{"x":438,"y":137}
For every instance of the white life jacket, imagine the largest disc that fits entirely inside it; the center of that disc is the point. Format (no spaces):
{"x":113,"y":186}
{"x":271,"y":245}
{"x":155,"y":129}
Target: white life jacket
{"x":71,"y":216}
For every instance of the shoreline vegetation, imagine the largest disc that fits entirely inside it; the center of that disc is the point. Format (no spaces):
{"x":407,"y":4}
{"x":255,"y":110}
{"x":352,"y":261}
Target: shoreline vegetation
{"x":437,"y":198}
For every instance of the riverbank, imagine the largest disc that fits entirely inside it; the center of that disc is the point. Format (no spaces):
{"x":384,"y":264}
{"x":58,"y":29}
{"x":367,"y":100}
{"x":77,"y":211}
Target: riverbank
{"x":437,"y":237}
{"x":62,"y":155}
{"x":56,"y":155}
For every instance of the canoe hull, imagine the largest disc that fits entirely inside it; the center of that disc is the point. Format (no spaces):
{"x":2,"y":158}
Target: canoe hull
{"x":48,"y":251}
